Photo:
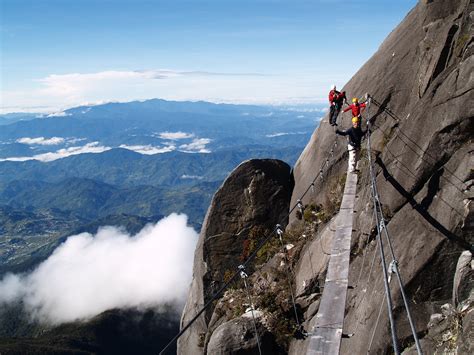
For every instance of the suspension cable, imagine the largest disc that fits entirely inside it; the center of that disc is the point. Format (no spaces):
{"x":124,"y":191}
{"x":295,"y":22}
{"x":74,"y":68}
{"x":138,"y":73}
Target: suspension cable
{"x":364,"y":252}
{"x":379,"y":239}
{"x":408,"y":172}
{"x":364,"y":296}
{"x":366,"y":243}
{"x":394,"y":266}
{"x":244,"y":277}
{"x":393,"y":116}
{"x":376,"y":326}
{"x":290,"y":284}
{"x":310,"y":258}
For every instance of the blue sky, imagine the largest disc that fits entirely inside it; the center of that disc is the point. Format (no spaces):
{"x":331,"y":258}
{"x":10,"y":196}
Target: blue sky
{"x":59,"y":53}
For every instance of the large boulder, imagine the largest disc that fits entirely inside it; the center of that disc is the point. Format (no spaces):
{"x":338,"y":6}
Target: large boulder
{"x":255,"y":196}
{"x":237,"y":337}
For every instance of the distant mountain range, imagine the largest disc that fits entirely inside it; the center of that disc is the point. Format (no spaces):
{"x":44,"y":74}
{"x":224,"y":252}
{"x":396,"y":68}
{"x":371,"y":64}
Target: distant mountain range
{"x":124,"y":167}
{"x":127,"y":164}
{"x":166,"y":125}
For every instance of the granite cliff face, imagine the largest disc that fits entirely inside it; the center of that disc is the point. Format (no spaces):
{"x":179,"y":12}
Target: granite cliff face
{"x":421,"y":81}
{"x":251,"y":200}
{"x":422,"y":76}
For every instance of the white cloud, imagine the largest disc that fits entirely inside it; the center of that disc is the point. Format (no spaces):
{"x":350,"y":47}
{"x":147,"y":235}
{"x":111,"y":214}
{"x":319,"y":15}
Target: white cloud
{"x":197,"y":177}
{"x":92,"y":147}
{"x":89,"y":274}
{"x":41,"y":140}
{"x":175,"y":135}
{"x":279,"y":134}
{"x":276,"y":134}
{"x":198,"y":145}
{"x":58,"y":114}
{"x":149,"y":149}
{"x":56,"y":92}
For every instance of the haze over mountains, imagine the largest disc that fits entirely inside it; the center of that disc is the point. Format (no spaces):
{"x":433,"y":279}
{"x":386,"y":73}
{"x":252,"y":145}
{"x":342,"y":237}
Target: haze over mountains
{"x":151,"y":127}
{"x":127,"y":164}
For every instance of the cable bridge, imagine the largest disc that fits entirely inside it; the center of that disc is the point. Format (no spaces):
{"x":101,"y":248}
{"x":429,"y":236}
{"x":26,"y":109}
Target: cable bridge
{"x":325,"y":337}
{"x":326,"y":334}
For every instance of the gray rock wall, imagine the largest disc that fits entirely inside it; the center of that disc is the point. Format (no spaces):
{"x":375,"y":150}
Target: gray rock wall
{"x":423,"y":72}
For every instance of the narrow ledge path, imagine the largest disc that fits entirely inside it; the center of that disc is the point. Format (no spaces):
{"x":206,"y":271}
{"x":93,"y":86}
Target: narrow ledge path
{"x":327,"y":333}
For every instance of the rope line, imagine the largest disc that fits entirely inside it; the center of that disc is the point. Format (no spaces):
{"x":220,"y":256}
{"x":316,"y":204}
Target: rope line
{"x":394,"y":268}
{"x":393,"y":116}
{"x":382,"y":227}
{"x":310,"y":257}
{"x":379,"y":239}
{"x":288,"y":278}
{"x":244,"y":276}
{"x":364,"y":257}
{"x":376,"y":326}
{"x":407,"y":171}
{"x":364,"y":296}
{"x":364,"y":252}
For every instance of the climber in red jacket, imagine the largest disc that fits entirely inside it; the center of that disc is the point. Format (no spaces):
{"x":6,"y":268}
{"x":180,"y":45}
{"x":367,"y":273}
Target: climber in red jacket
{"x":356,"y":108}
{"x":336,"y":99}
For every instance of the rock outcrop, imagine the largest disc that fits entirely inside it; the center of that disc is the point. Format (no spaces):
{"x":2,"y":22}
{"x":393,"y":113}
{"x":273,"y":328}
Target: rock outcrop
{"x":422,"y":81}
{"x":422,"y":114}
{"x":254,"y":197}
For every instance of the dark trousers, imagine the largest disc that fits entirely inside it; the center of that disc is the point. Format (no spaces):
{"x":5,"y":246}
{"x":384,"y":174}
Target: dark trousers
{"x":333,"y":113}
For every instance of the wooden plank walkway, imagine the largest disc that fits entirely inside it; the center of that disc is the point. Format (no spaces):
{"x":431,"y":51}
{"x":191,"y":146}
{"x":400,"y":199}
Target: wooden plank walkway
{"x":326,"y":334}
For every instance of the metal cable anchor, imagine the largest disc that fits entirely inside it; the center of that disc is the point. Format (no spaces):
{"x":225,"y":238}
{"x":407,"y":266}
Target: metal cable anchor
{"x":242,"y":272}
{"x":299,"y":204}
{"x":279,"y":231}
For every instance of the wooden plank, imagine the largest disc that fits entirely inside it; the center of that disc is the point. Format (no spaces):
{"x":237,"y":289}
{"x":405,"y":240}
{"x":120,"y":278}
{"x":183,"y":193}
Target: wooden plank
{"x":324,"y":343}
{"x":337,"y":270}
{"x":348,"y":202}
{"x":327,"y":333}
{"x":329,"y":315}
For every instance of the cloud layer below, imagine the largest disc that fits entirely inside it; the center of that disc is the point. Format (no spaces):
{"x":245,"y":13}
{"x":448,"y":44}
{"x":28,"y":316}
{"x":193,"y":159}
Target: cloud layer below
{"x":89,"y":274}
{"x":148,"y":149}
{"x":41,"y":141}
{"x":174,"y":135}
{"x":196,"y":145}
{"x":92,"y":147}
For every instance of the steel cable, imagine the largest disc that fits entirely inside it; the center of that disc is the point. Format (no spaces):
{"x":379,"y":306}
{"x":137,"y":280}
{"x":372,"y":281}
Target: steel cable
{"x":244,"y":276}
{"x":251,"y":256}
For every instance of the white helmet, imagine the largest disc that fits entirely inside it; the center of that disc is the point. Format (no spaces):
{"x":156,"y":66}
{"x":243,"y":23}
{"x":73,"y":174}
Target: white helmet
{"x":333,"y":87}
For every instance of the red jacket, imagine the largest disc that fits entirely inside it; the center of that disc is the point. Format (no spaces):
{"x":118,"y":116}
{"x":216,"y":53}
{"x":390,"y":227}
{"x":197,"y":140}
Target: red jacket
{"x":335,"y":96}
{"x":356,"y":109}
